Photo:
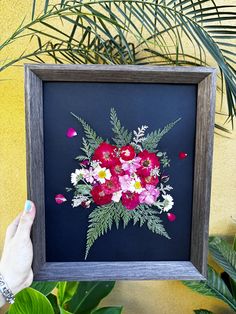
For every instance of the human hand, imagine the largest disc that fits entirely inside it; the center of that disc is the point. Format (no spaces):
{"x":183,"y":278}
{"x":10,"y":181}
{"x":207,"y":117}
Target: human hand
{"x":17,"y":256}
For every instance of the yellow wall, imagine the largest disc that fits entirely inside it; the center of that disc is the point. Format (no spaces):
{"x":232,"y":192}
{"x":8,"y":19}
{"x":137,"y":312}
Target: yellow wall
{"x":155,"y":297}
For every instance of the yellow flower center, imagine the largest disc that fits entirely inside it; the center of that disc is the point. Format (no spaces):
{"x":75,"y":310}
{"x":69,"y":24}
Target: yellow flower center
{"x":137,"y":185}
{"x":102,"y":174}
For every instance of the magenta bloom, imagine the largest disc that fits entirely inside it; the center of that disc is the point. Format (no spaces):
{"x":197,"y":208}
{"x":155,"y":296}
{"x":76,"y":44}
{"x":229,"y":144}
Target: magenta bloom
{"x":60,"y":198}
{"x":171,"y":217}
{"x":149,"y":195}
{"x":182,"y":155}
{"x":130,"y":200}
{"x":71,"y":132}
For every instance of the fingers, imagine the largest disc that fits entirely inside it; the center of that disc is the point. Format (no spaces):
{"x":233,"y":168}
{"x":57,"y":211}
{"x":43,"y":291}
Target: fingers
{"x":26,"y":220}
{"x":11,"y":229}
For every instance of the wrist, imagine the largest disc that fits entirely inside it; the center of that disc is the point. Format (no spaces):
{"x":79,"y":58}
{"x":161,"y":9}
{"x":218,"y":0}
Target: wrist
{"x":8,"y":278}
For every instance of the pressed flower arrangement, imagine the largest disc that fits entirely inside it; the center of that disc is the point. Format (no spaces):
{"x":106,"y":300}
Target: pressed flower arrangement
{"x":122,"y":179}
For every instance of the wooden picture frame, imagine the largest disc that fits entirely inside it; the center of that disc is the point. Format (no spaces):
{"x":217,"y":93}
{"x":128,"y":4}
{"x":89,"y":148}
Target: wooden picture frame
{"x":196,"y":267}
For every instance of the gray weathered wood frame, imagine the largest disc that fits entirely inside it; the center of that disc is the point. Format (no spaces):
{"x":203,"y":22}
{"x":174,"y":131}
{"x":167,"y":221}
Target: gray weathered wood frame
{"x":196,"y":267}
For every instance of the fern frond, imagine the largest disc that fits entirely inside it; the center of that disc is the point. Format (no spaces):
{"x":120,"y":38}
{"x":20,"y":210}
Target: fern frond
{"x":100,"y":221}
{"x":87,"y":149}
{"x":145,"y":214}
{"x":152,"y":139}
{"x":121,"y":135}
{"x":93,"y":139}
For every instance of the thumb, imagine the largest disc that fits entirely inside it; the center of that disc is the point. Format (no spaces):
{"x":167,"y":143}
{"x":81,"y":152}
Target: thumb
{"x":26,"y":220}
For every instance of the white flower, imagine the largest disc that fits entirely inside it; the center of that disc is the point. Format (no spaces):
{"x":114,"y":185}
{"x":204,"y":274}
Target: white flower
{"x":168,"y":202}
{"x":89,"y":175}
{"x":116,"y":196}
{"x":77,"y":176}
{"x":77,"y":200}
{"x":102,"y":174}
{"x":136,"y":186}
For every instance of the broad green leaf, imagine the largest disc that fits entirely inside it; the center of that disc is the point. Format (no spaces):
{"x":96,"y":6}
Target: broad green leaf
{"x":62,"y":311}
{"x":30,"y":301}
{"x":201,"y":311}
{"x":43,"y":286}
{"x":213,"y":287}
{"x":53,"y":300}
{"x":66,"y":290}
{"x":224,"y":255}
{"x":109,"y":310}
{"x":88,"y":296}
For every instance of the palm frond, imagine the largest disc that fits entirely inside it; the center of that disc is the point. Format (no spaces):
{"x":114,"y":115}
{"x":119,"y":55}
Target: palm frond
{"x":135,"y":32}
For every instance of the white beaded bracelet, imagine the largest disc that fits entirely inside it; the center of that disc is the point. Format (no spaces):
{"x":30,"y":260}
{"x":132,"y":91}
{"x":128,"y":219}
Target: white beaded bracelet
{"x":6,"y":291}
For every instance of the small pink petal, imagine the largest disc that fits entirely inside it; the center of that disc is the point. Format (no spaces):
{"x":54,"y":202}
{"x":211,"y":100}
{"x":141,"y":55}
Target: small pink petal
{"x":182,"y":155}
{"x":59,"y":198}
{"x":171,"y":217}
{"x":71,"y":132}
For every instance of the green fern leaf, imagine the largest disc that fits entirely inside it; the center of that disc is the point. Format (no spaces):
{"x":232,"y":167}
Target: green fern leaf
{"x":152,"y":139}
{"x":100,"y":221}
{"x":121,"y":135}
{"x":102,"y":218}
{"x":87,"y":149}
{"x":93,"y":139}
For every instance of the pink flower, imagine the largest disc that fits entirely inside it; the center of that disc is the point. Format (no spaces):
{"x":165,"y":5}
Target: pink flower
{"x":71,"y":132}
{"x":88,"y":175}
{"x":112,"y":185}
{"x":130,"y":200}
{"x":125,"y":182}
{"x":132,"y":165}
{"x":84,"y":162}
{"x":60,"y":198}
{"x":149,"y":195}
{"x":149,"y":161}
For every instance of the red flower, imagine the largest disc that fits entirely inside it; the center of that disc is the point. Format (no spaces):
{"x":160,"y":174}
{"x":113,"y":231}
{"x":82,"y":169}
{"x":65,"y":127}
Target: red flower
{"x":127,"y":152}
{"x":130,"y":200}
{"x":153,"y":180}
{"x":106,"y":154}
{"x":111,"y":186}
{"x":116,"y":169}
{"x":148,"y":162}
{"x":99,"y":195}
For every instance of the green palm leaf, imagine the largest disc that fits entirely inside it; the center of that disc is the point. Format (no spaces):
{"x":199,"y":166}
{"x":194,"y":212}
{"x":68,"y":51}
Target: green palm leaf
{"x":213,"y":287}
{"x":224,"y":255}
{"x":134,"y":32}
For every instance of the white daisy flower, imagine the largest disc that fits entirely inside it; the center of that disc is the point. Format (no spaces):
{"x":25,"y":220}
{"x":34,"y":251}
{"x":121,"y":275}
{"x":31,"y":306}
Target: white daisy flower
{"x":136,"y":186}
{"x":77,"y":176}
{"x":168,"y":202}
{"x":102,"y":174}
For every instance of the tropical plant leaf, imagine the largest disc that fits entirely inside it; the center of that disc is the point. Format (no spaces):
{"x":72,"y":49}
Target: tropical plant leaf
{"x":30,"y":301}
{"x":201,"y":311}
{"x":121,"y":135}
{"x":65,"y":291}
{"x":224,"y":255}
{"x":152,"y":139}
{"x":213,"y":287}
{"x":45,"y":287}
{"x":99,"y":31}
{"x":109,"y":310}
{"x":53,"y":300}
{"x":89,"y":295}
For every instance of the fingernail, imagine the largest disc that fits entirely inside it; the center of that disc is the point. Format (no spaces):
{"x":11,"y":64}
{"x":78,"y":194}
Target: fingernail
{"x":28,"y":207}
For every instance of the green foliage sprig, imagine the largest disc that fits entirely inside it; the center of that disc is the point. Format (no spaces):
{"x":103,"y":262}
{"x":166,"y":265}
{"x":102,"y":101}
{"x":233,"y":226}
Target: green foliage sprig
{"x":221,"y":285}
{"x":64,"y":298}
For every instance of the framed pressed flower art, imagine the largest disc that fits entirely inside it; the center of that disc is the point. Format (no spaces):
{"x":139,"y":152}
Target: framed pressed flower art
{"x":119,"y":166}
